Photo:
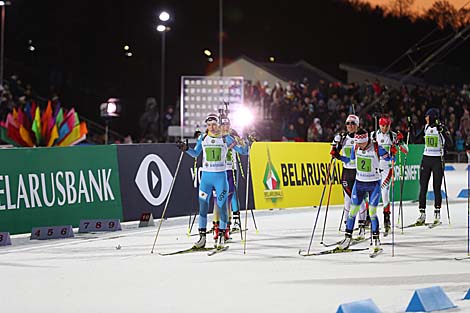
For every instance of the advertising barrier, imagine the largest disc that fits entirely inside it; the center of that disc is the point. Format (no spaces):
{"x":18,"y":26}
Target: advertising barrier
{"x":146,"y":172}
{"x":408,"y":169}
{"x":291,"y":174}
{"x":57,"y":186}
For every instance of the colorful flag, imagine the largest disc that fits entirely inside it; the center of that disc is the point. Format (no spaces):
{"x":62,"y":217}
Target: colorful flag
{"x":36,"y":127}
{"x":54,"y":135}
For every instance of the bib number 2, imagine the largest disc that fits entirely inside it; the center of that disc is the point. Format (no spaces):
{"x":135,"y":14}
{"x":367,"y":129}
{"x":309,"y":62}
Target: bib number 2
{"x":364,"y":165}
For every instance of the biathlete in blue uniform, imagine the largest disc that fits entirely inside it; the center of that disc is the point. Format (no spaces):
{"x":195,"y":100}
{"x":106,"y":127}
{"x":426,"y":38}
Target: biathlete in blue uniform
{"x":214,"y":147}
{"x":231,"y":167}
{"x":367,"y":155}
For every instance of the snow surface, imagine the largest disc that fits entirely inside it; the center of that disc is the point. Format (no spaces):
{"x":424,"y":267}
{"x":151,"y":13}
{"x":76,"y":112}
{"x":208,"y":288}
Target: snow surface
{"x":88,"y":274}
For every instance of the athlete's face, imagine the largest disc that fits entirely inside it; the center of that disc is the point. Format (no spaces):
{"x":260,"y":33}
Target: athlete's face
{"x":213,"y":127}
{"x":427,"y":119}
{"x":351,"y":127}
{"x":384,"y":128}
{"x":226,"y":128}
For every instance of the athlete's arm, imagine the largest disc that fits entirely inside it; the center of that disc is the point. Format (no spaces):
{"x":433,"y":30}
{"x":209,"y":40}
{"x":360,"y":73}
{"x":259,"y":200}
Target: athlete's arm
{"x":197,"y":149}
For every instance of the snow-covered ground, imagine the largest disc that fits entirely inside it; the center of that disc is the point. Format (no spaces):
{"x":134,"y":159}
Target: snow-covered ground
{"x":88,"y":274}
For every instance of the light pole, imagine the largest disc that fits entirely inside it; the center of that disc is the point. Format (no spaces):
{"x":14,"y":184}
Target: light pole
{"x":221,"y":37}
{"x":3,"y":4}
{"x":162,"y":28}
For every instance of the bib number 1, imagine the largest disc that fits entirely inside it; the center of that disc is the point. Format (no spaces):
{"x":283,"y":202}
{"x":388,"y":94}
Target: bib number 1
{"x":213,"y":154}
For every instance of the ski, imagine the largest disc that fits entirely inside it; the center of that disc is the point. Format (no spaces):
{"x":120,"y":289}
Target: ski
{"x":413,"y":225}
{"x":190,"y":250}
{"x":434,"y":225}
{"x":462,"y":258}
{"x":375,"y":253}
{"x":355,"y":241}
{"x":332,"y":251}
{"x":215,"y":251}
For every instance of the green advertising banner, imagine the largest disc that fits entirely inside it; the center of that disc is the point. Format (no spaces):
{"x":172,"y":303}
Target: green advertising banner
{"x":409,"y":172}
{"x":57,"y":186}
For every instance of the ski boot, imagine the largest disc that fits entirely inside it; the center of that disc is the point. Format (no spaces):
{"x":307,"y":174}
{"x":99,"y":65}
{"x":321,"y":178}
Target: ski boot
{"x":201,"y":243}
{"x":386,"y":223}
{"x":227,"y":233}
{"x":437,"y":216}
{"x":236,"y":221}
{"x":375,"y":248}
{"x":215,"y":230}
{"x":344,"y":245}
{"x":422,"y":218}
{"x":362,"y":231}
{"x":220,"y":244}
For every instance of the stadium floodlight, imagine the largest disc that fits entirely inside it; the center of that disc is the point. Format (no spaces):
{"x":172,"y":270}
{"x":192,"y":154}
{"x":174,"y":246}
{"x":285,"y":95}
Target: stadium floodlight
{"x":3,"y":3}
{"x":164,"y":16}
{"x":161,"y":28}
{"x":109,"y":109}
{"x":207,"y":52}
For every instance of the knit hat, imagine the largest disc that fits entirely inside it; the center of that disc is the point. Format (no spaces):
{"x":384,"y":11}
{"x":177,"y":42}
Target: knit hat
{"x":353,"y":118}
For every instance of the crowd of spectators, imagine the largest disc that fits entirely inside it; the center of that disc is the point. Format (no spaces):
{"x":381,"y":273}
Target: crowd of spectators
{"x":315,"y":111}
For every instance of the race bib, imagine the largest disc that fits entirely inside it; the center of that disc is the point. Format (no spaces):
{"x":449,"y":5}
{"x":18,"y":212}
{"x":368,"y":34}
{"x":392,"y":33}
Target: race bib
{"x":364,"y":165}
{"x":213,"y":154}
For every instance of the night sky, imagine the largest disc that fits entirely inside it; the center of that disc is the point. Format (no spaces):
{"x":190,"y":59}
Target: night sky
{"x":79,"y":44}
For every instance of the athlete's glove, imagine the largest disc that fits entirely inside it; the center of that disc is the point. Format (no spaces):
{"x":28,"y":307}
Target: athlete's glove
{"x":399,"y":137}
{"x":334,"y":153}
{"x":393,"y":150}
{"x":182,"y":145}
{"x":197,"y":133}
{"x":440,"y":127}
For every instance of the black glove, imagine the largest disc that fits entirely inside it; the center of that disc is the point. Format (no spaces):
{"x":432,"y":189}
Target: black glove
{"x":440,"y":128}
{"x":335,"y":153}
{"x":182,"y":145}
{"x":197,"y":133}
{"x":252,"y":138}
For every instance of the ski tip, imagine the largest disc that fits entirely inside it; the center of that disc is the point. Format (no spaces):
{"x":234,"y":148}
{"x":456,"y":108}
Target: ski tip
{"x":243,"y":241}
{"x":257,"y":232}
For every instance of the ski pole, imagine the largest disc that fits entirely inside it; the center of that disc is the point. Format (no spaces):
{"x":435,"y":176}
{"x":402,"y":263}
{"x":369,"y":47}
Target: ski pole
{"x":341,"y":221}
{"x":327,"y":203}
{"x":190,"y":225}
{"x":246,"y":198}
{"x":167,"y":199}
{"x":444,"y":176}
{"x":252,"y":213}
{"x":468,"y":204}
{"x":402,"y":181}
{"x":319,"y":207}
{"x":393,"y":206}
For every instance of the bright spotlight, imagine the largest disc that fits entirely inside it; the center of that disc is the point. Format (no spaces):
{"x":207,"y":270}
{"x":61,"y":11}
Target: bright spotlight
{"x":207,"y":52}
{"x":164,"y":16}
{"x":126,"y":47}
{"x":242,"y":118}
{"x":161,"y":28}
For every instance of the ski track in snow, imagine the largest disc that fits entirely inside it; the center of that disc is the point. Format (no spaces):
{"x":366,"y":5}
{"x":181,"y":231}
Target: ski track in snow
{"x":88,"y":274}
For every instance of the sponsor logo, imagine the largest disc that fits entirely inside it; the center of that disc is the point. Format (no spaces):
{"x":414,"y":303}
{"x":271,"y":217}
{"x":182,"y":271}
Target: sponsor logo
{"x":271,"y":182}
{"x":55,"y":189}
{"x":146,"y":187}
